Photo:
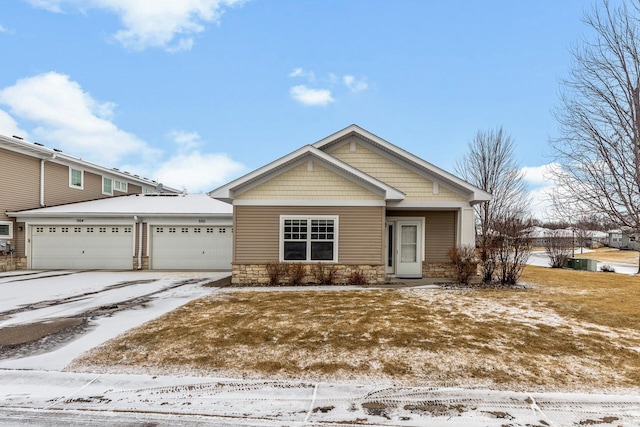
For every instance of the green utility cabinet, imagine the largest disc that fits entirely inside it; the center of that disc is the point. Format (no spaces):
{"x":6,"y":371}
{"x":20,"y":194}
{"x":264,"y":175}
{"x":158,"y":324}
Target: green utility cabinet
{"x":583,"y":264}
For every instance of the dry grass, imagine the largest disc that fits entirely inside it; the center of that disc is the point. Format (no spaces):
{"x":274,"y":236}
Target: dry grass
{"x":610,"y":255}
{"x":571,"y":331}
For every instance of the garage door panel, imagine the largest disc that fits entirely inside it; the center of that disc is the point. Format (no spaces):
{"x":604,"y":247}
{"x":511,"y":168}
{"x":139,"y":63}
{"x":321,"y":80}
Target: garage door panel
{"x":83,"y":247}
{"x":191,"y":248}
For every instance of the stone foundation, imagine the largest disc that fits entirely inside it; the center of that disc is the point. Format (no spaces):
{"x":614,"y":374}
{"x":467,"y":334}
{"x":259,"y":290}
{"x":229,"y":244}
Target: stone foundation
{"x":8,"y":263}
{"x":145,"y":263}
{"x":438,"y":270}
{"x":256,"y":274}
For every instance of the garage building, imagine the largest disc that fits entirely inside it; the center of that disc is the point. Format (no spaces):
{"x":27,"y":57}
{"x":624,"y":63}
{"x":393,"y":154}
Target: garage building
{"x":151,"y":231}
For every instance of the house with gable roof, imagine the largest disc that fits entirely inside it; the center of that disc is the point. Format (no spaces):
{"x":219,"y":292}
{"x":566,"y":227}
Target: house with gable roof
{"x":352,"y":201}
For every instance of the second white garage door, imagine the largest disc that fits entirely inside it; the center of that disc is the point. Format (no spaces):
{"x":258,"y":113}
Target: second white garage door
{"x":108,"y":247}
{"x":191,"y":247}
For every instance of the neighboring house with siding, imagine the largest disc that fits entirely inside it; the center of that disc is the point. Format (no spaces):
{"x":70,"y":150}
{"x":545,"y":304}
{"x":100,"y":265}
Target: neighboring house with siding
{"x":35,"y":176}
{"x":353,"y":201}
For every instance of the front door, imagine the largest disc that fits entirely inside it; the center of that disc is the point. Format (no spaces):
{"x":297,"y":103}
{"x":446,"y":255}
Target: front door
{"x":408,"y":249}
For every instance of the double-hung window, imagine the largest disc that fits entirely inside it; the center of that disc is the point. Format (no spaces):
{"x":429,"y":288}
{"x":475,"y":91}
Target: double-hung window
{"x":107,"y":186}
{"x":76,"y":178}
{"x":308,"y":238}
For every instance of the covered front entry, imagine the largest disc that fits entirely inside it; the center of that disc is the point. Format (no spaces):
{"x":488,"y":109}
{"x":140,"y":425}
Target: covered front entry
{"x":404,"y":247}
{"x":73,"y":247}
{"x":188,"y":247}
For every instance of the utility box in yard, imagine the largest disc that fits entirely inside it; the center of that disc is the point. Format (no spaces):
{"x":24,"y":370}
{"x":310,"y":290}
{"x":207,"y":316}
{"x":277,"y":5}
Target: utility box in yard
{"x":583,"y":264}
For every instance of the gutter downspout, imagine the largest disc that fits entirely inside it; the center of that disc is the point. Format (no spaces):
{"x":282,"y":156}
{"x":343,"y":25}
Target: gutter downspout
{"x":42,"y":183}
{"x":53,"y":156}
{"x":139,"y":222}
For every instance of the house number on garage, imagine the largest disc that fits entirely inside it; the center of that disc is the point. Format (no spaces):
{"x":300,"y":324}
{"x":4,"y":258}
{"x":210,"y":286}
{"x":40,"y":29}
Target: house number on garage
{"x":202,"y":221}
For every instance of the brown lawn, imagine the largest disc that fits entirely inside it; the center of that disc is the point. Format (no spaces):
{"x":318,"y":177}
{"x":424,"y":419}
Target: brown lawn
{"x":570,"y":331}
{"x":610,"y":255}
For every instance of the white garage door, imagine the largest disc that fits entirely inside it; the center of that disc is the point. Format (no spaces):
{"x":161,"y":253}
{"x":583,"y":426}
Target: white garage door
{"x":108,"y":247}
{"x":191,"y":247}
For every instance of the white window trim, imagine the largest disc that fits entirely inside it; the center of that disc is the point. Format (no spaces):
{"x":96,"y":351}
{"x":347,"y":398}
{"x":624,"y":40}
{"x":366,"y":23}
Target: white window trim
{"x":105,"y":192}
{"x":81,"y":186}
{"x":336,"y":233}
{"x":10,"y":235}
{"x":121,"y":186}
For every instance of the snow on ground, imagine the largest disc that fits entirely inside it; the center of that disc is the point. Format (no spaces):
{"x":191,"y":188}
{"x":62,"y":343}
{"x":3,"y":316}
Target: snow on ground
{"x":33,"y":391}
{"x":81,"y":292}
{"x":541,"y":259}
{"x":221,"y":401}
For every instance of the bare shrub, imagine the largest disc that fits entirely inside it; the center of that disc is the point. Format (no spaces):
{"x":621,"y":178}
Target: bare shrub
{"x":277,"y":272}
{"x":511,"y":247}
{"x":558,"y":247}
{"x":324,"y":274}
{"x":463,"y":259}
{"x":296,"y":271}
{"x":357,"y":278}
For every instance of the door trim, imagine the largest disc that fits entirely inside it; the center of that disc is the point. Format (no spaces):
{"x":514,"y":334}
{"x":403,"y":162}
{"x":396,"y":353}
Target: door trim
{"x":392,"y":271}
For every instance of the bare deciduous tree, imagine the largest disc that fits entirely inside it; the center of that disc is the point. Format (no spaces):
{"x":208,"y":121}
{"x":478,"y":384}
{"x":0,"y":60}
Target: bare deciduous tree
{"x":598,"y":149}
{"x":491,"y":165}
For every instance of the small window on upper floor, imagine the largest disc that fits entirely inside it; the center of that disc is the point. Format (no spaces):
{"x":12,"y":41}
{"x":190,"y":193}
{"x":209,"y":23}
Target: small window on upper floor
{"x":76,"y":178}
{"x":107,"y":186}
{"x":120,"y":186}
{"x":146,"y":190}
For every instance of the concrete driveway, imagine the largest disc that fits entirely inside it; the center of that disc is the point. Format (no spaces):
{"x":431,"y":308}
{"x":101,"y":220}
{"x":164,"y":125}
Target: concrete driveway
{"x":47,"y":318}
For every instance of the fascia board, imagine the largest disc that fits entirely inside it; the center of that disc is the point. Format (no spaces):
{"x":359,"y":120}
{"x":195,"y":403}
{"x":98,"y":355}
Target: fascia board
{"x":259,"y":176}
{"x":225,"y":192}
{"x":476,"y":194}
{"x":44,"y":153}
{"x":20,"y":216}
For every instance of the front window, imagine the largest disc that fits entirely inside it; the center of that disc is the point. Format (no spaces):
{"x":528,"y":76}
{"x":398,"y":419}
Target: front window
{"x":107,"y":186}
{"x":309,"y":238}
{"x":76,"y":178}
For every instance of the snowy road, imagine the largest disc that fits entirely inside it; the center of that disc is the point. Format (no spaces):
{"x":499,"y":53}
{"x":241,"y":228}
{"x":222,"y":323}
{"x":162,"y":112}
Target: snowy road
{"x":91,"y":399}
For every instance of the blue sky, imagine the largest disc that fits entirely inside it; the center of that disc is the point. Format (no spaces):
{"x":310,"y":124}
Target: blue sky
{"x":197,"y":92}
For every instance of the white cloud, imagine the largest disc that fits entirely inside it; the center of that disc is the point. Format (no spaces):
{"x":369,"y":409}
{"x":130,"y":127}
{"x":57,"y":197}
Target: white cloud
{"x":185,"y":140}
{"x":70,"y":118}
{"x":197,"y":172}
{"x":309,"y":96}
{"x":541,"y":187}
{"x":353,"y":84}
{"x":299,"y":72}
{"x":50,"y":5}
{"x":9,"y":127}
{"x":168,"y":24}
{"x":67,"y":117}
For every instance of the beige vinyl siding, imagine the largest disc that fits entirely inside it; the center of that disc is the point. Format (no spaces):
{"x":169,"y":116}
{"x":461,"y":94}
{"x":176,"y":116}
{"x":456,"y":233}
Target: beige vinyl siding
{"x":134,"y":189}
{"x":440,"y":232}
{"x":415,"y":186}
{"x":257,"y":228}
{"x":300,"y":183}
{"x":19,"y":238}
{"x":58,"y":192}
{"x":20,"y":183}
